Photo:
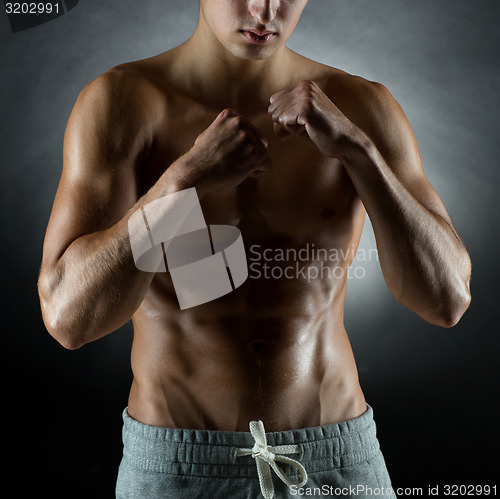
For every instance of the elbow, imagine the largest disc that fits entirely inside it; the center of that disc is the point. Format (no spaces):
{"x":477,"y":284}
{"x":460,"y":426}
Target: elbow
{"x":61,"y":330}
{"x":452,"y":314}
{"x":71,"y":345}
{"x":446,"y":295}
{"x":67,"y":342}
{"x":57,"y":319}
{"x":65,"y":339}
{"x":455,"y":304}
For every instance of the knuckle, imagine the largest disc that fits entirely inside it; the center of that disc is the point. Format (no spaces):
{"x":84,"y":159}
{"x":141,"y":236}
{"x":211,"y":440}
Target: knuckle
{"x":307,"y":84}
{"x":225,"y":113}
{"x":308,"y":89}
{"x":242,"y":136}
{"x":238,"y":121}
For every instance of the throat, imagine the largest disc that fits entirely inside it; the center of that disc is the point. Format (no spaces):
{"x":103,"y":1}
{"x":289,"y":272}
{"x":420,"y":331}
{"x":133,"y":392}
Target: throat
{"x":223,"y":80}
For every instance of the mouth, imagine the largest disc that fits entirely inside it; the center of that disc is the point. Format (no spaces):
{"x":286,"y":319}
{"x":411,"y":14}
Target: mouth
{"x":258,"y":37}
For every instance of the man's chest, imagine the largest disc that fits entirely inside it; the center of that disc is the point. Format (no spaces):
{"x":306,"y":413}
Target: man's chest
{"x":303,"y":192}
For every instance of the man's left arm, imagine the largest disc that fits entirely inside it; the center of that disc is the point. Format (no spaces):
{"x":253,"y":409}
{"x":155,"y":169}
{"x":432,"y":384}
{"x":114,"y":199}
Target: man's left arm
{"x":423,"y":260}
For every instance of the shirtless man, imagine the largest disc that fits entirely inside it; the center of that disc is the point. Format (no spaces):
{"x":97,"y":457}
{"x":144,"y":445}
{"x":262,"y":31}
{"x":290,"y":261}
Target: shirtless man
{"x":292,"y":152}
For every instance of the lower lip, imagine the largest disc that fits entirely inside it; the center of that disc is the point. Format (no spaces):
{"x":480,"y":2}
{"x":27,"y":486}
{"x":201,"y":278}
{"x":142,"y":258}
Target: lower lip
{"x":257,"y":39}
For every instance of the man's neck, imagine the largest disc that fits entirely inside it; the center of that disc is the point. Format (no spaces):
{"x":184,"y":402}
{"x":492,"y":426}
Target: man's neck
{"x":221,"y":79}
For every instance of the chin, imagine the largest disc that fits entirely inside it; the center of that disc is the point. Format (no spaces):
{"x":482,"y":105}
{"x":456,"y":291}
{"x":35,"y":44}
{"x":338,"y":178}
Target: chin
{"x":253,"y":53}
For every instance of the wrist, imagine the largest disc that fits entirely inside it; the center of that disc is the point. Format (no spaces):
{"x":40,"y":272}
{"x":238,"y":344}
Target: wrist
{"x":356,"y":148}
{"x":184,"y":174}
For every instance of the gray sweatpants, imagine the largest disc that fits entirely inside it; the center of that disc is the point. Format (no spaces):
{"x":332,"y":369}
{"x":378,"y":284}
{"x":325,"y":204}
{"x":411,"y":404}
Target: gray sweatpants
{"x":341,"y":460}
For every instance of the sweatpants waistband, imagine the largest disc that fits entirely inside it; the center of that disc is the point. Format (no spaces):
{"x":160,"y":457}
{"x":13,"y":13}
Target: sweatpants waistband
{"x":211,"y":453}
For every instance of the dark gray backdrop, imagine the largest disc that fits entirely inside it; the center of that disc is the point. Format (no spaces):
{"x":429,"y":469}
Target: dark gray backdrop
{"x":435,"y":391}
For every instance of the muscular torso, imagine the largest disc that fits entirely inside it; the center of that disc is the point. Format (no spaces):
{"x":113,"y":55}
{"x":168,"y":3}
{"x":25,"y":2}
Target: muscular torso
{"x":274,"y":349}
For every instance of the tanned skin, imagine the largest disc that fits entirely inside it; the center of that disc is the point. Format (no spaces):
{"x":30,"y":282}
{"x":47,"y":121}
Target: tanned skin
{"x":290,"y":151}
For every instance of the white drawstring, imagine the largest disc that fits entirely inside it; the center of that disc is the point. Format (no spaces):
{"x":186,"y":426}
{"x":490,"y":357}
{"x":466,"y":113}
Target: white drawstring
{"x":266,"y":457}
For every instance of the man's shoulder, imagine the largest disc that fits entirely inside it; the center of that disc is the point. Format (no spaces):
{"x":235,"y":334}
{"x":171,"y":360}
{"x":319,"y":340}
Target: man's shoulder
{"x":343,"y":88}
{"x":125,"y":83}
{"x":368,"y":103}
{"x":122,"y":102}
{"x":118,"y":108}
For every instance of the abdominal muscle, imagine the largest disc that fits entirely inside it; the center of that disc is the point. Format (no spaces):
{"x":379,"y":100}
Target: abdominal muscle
{"x":287,"y":362}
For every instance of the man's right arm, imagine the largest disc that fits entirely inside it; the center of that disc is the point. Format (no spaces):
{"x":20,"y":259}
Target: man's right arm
{"x":89,"y":285}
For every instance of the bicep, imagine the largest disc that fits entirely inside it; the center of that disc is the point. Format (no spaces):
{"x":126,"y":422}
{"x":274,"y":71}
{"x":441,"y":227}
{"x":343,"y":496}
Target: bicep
{"x":389,"y":129}
{"x":99,"y":178}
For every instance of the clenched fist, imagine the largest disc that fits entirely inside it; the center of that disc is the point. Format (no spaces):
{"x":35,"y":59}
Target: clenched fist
{"x":304,"y":110}
{"x":227,"y":152}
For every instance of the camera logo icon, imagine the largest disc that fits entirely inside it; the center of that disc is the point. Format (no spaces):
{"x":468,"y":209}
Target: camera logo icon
{"x":170,"y":235}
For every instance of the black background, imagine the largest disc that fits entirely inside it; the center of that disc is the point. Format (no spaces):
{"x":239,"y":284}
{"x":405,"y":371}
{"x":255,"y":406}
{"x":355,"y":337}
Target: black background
{"x":434,"y":391}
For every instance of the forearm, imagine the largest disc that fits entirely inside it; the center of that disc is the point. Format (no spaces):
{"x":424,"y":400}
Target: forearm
{"x":95,"y":286}
{"x":424,"y":262}
{"x":93,"y":289}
